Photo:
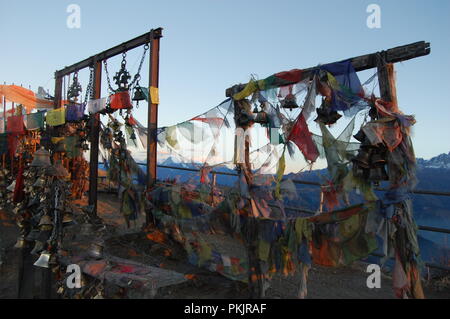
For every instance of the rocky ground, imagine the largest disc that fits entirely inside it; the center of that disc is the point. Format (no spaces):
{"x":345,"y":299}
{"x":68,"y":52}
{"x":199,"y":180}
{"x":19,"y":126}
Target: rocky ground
{"x":132,"y":244}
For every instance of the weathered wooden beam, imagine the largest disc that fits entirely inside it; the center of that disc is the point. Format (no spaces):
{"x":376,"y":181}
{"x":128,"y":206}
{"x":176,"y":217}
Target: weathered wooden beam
{"x":118,"y":49}
{"x":368,"y":61}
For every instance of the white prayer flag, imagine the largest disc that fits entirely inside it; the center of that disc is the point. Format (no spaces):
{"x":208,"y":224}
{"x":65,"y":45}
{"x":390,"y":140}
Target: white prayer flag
{"x":95,"y":106}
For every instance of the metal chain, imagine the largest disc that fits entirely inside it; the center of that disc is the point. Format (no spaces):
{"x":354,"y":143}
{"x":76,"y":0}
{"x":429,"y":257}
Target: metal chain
{"x":89,"y":89}
{"x":137,"y":77}
{"x":110,"y":88}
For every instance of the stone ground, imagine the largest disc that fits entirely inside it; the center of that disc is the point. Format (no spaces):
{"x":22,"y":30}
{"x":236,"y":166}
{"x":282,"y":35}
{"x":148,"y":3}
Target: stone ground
{"x":323,"y":283}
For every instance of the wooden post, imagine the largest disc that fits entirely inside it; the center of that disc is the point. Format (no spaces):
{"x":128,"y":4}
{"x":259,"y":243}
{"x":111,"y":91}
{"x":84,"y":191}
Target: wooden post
{"x":94,"y":139}
{"x":383,"y":78}
{"x":152,"y":137}
{"x":152,"y":120}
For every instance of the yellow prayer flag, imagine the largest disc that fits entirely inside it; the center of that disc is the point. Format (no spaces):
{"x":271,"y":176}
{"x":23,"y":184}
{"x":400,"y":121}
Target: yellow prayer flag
{"x":56,"y":117}
{"x":154,"y":95}
{"x":56,"y":140}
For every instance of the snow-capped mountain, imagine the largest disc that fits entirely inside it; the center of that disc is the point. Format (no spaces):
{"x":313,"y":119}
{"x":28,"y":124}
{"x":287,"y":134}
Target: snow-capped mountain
{"x":441,"y":161}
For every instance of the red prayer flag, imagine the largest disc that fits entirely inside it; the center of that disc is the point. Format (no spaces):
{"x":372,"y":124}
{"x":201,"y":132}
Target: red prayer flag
{"x":15,"y":124}
{"x":293,"y":76}
{"x":302,"y":137}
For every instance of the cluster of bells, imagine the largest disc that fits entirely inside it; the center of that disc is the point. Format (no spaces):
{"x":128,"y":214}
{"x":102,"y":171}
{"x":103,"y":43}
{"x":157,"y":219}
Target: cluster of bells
{"x":4,"y":181}
{"x":89,"y":289}
{"x":245,"y":117}
{"x":369,"y":163}
{"x":38,"y":213}
{"x":326,"y":115}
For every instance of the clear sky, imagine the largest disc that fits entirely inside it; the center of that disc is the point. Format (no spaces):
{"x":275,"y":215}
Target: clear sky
{"x":211,"y":45}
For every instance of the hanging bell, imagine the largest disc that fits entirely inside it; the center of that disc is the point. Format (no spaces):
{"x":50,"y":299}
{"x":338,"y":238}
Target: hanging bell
{"x":38,"y":247}
{"x":96,"y":250}
{"x":289,"y":102}
{"x":378,"y":174}
{"x":68,"y":219}
{"x":41,"y":158}
{"x":60,"y":170}
{"x":21,"y":243}
{"x":40,"y":182}
{"x":12,"y":186}
{"x":45,"y":221}
{"x":43,"y":260}
{"x":327,"y":116}
{"x":362,"y":159}
{"x":138,"y":94}
{"x":360,"y":136}
{"x":261,"y":118}
{"x":377,"y":160}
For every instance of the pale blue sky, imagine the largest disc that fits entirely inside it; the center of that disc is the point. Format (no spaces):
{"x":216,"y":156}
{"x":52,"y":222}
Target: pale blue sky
{"x":211,"y":45}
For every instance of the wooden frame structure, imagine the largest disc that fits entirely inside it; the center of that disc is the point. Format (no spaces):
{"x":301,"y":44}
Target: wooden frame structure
{"x":380,"y":60}
{"x":151,"y":38}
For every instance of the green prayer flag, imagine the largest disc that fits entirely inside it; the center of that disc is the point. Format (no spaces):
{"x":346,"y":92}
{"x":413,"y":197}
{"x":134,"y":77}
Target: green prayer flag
{"x":35,"y":121}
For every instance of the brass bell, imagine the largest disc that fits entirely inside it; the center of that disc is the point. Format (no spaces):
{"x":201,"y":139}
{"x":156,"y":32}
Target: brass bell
{"x":362,"y":159}
{"x":378,"y":174}
{"x":261,"y":118}
{"x":41,"y":158}
{"x":96,"y":250}
{"x":327,"y":116}
{"x":289,"y":102}
{"x":68,"y":220}
{"x":21,"y":243}
{"x":360,"y":136}
{"x":377,"y":159}
{"x":57,"y":170}
{"x":138,"y":94}
{"x":62,"y":171}
{"x":45,"y":220}
{"x":359,"y":172}
{"x":40,"y":182}
{"x":38,"y":247}
{"x":12,"y":186}
{"x":43,"y":260}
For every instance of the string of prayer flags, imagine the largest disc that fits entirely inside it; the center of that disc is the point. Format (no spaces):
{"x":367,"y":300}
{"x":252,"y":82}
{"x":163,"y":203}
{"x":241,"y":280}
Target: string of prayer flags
{"x":56,"y":117}
{"x":171,"y":136}
{"x":95,"y":106}
{"x":75,"y":112}
{"x":35,"y":121}
{"x":15,"y":124}
{"x":347,"y":89}
{"x":71,"y":146}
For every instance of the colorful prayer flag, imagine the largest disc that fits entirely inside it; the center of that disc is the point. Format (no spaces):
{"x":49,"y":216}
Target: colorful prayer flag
{"x":56,"y":117}
{"x":95,"y":106}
